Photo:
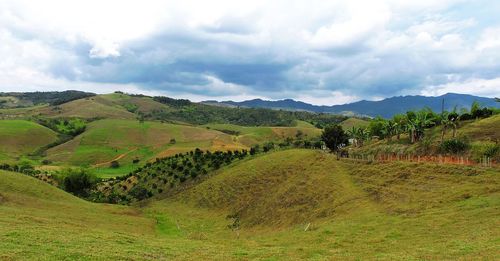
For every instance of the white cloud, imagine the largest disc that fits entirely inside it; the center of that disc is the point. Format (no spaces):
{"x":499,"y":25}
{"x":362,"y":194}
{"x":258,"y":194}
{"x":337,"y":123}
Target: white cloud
{"x":322,"y":51}
{"x":481,"y":87}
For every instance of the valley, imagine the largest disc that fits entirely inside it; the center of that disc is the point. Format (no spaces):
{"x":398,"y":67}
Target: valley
{"x":134,"y":177}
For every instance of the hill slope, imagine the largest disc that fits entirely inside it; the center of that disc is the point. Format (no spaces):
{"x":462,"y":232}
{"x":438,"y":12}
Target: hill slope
{"x":41,"y":222}
{"x":105,"y":140}
{"x":295,"y":204}
{"x":18,"y":137}
{"x":283,"y":188}
{"x":349,"y":209}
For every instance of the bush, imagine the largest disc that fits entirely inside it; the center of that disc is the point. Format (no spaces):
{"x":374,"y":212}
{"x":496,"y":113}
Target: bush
{"x":454,"y":146}
{"x":26,"y":168}
{"x":79,"y":181}
{"x":489,"y":149}
{"x":140,"y":192}
{"x":114,"y":164}
{"x":46,"y":162}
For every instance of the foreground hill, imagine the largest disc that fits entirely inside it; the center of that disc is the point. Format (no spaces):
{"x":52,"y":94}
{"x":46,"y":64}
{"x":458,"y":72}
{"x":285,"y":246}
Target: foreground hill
{"x":19,"y":137}
{"x":348,"y":209}
{"x":385,"y":108}
{"x":287,"y":205}
{"x":41,"y":222}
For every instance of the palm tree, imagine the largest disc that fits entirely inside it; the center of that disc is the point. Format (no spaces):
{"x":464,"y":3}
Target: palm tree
{"x":352,"y":133}
{"x":389,"y":129}
{"x":453,"y":119}
{"x":445,"y":122}
{"x":400,"y":121}
{"x":417,"y":125}
{"x":358,"y":135}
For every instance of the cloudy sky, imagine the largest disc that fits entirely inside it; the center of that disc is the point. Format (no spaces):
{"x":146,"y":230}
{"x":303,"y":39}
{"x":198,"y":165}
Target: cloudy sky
{"x":322,"y":52}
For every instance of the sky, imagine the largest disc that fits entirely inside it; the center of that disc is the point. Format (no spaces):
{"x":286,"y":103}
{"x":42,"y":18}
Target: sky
{"x":318,"y":51}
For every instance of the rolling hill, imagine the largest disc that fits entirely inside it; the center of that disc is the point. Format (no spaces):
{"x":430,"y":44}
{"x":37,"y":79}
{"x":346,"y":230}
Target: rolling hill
{"x":20,"y":137}
{"x":105,"y":140}
{"x":302,"y":204}
{"x":126,"y":140}
{"x":385,"y":108}
{"x":287,"y":205}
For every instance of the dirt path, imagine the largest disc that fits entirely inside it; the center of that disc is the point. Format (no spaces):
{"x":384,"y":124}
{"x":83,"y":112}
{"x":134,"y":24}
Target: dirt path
{"x":115,"y":159}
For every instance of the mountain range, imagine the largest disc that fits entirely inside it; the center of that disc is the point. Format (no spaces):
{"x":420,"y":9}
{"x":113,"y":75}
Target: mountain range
{"x":385,"y":108}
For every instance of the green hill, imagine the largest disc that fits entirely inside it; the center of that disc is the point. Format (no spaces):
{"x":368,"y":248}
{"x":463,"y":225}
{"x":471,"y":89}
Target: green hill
{"x":349,"y":209}
{"x":353,"y":122}
{"x":41,"y":222}
{"x":19,"y":137}
{"x":125,"y":140}
{"x":91,"y":107}
{"x":287,"y":205}
{"x":256,"y":135}
{"x":478,"y":135}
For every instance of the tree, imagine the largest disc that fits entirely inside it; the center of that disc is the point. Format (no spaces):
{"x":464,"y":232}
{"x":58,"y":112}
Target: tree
{"x":78,"y":181}
{"x":334,"y":138}
{"x":453,"y":119}
{"x":358,"y":135}
{"x":417,"y":124}
{"x":400,"y":120}
{"x":376,"y":127}
{"x":389,"y":129}
{"x":445,"y":122}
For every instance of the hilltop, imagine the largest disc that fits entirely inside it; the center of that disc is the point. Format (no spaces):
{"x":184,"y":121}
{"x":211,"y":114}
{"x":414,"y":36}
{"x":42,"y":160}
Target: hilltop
{"x":20,"y":137}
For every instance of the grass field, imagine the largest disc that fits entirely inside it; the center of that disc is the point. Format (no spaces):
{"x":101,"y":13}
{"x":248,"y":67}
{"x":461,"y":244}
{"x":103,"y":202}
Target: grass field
{"x":353,"y":122}
{"x":92,"y":107}
{"x":125,"y":140}
{"x":19,"y":137}
{"x":257,"y":135}
{"x":351,"y":211}
{"x":355,"y":210}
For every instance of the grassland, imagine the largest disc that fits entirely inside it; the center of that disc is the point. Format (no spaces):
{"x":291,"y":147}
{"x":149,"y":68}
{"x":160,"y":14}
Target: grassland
{"x":351,"y":211}
{"x":19,"y":137}
{"x":353,"y":122}
{"x":92,"y":107}
{"x":257,"y":135}
{"x":126,"y":140}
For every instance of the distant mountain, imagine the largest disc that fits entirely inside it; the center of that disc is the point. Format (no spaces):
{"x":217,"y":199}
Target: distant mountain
{"x":385,"y":108}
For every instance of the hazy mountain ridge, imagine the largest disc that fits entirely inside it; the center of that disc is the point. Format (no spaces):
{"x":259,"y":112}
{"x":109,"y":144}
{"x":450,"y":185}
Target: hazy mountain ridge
{"x":385,"y":108}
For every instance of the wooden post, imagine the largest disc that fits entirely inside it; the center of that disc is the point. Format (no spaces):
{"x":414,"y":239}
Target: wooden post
{"x":307,"y":227}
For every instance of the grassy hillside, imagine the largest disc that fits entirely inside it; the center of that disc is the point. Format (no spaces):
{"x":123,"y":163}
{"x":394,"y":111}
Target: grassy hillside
{"x":126,"y":140}
{"x":351,"y":210}
{"x":477,"y":134}
{"x":256,"y":135}
{"x":353,"y":122}
{"x":92,"y":107}
{"x":284,"y":188}
{"x":294,"y":204}
{"x":19,"y":137}
{"x":141,"y":104}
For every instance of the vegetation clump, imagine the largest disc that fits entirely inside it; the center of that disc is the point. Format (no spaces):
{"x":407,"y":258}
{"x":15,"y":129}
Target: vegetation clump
{"x":78,"y":181}
{"x":164,"y":174}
